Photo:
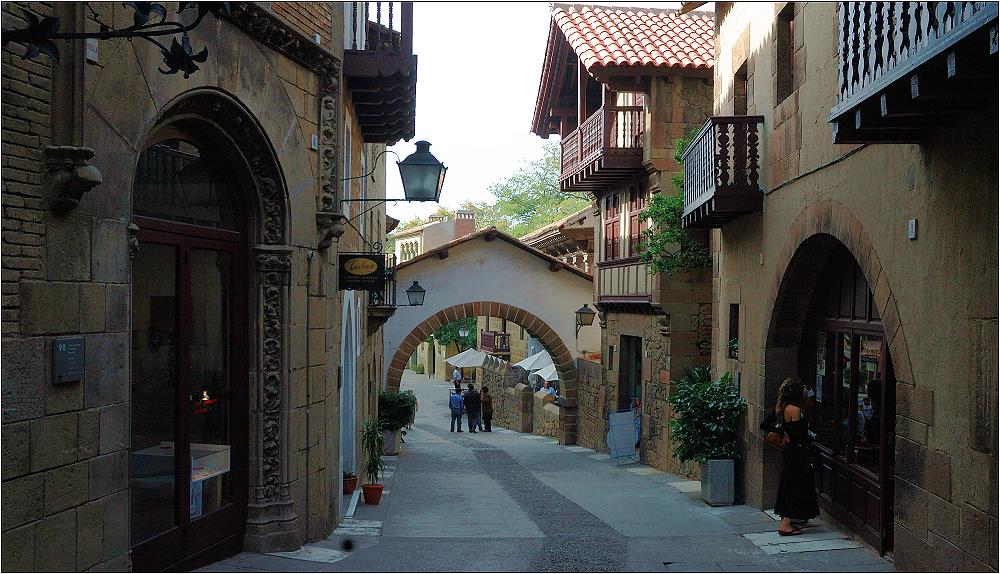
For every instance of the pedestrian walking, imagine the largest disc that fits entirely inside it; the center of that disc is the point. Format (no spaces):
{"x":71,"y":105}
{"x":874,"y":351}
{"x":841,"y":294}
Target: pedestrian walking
{"x":796,"y":500}
{"x":486,"y":401}
{"x":472,"y":406}
{"x":455,"y":403}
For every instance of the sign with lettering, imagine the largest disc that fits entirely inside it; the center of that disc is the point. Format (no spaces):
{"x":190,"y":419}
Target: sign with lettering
{"x":362,"y":271}
{"x":68,"y":360}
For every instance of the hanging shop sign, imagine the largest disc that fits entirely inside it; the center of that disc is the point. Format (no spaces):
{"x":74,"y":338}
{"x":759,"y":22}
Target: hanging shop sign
{"x":362,"y":271}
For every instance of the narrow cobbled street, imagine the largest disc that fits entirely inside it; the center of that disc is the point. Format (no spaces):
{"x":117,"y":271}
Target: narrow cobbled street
{"x":507,"y":501}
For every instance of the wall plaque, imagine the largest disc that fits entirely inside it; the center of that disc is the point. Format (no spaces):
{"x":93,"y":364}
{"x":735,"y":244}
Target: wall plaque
{"x":68,"y":360}
{"x":362,"y":271}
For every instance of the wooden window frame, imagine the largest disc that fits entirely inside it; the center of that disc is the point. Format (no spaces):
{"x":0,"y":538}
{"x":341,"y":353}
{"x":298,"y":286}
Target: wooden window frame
{"x":612,"y":226}
{"x":638,"y":202}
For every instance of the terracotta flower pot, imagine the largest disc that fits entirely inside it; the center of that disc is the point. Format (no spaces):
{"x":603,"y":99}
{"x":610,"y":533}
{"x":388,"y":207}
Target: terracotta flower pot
{"x":372,"y":492}
{"x":350,"y":484}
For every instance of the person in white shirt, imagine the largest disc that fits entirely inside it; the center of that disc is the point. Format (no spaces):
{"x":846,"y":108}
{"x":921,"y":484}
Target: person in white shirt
{"x":547,"y":388}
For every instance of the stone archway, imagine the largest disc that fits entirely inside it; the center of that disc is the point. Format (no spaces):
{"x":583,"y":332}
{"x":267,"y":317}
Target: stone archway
{"x":536,"y":327}
{"x":241,"y":140}
{"x":818,"y":233}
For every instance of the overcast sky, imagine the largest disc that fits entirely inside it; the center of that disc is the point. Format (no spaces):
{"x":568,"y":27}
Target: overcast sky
{"x":477,"y":78}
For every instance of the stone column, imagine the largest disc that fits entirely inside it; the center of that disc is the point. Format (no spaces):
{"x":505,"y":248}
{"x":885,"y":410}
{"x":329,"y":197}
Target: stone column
{"x":270,"y":517}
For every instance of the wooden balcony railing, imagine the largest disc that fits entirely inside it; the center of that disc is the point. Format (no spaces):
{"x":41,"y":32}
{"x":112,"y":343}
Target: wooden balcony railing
{"x":607,"y":145}
{"x":494,"y":341}
{"x":895,"y":54}
{"x":722,"y":171}
{"x":382,"y":302}
{"x":380,"y":69}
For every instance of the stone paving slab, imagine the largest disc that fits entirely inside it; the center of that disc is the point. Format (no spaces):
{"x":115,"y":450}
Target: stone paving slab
{"x":486,"y":503}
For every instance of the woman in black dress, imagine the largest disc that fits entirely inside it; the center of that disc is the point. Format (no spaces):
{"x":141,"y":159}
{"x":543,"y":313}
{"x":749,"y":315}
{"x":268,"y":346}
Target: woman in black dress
{"x":796,"y":499}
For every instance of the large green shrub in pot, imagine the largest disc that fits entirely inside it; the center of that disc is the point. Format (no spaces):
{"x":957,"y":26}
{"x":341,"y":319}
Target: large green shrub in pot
{"x":396,"y":409}
{"x":707,"y":416}
{"x":373,"y":446}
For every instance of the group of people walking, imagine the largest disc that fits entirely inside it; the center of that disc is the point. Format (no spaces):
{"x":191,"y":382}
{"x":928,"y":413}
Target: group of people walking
{"x":477,"y":406}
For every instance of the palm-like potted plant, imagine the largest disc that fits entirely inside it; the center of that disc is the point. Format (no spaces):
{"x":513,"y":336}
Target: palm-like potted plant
{"x":396,"y":409}
{"x":705,"y":427}
{"x":373,"y":445}
{"x":350,"y":482}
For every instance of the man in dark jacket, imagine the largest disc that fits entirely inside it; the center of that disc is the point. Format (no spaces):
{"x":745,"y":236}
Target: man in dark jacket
{"x":472,"y":406}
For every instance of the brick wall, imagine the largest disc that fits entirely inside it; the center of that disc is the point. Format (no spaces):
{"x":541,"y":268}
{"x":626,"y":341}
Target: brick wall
{"x":309,"y":17}
{"x":545,"y":415}
{"x":26,"y":130}
{"x":512,"y":408}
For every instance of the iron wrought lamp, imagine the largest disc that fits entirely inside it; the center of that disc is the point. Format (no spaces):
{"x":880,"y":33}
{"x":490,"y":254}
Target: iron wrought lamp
{"x":415,"y":295}
{"x":422,"y":174}
{"x":584,"y":317}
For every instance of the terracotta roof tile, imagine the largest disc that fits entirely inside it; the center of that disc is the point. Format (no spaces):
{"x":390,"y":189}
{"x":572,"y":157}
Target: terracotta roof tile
{"x":604,"y":36}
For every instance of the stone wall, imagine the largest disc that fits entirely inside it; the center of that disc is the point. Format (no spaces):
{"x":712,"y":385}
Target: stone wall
{"x":593,"y":405}
{"x":545,"y":415}
{"x":513,"y":408}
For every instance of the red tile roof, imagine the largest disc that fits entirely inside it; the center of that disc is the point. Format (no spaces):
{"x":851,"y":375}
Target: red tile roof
{"x":619,"y":41}
{"x":648,"y":37}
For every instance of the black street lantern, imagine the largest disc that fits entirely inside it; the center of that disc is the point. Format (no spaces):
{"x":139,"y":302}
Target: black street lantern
{"x":422,"y":174}
{"x":584,"y":317}
{"x":415,"y":294}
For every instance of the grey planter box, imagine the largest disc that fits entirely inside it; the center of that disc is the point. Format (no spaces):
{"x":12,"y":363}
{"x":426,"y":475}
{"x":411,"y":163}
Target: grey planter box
{"x":718,"y":482}
{"x":391,"y":442}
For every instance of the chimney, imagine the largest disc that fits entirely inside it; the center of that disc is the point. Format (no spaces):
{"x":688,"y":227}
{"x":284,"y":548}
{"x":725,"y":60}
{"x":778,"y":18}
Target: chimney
{"x":439,"y":218}
{"x":465,"y":223}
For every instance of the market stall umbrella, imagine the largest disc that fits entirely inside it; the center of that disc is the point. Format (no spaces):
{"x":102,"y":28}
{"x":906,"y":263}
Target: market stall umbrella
{"x":548,"y":373}
{"x":537,"y":361}
{"x":468,"y":358}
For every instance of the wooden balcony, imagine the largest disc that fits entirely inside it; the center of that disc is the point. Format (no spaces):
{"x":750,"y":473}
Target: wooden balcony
{"x":606,"y":149}
{"x":721,"y":171}
{"x":906,"y":68}
{"x":382,"y":302}
{"x":380,"y":70}
{"x":624,"y":283}
{"x":494,"y":342}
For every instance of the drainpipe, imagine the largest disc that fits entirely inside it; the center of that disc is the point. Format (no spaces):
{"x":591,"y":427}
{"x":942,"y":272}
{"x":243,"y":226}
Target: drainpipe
{"x":309,"y":257}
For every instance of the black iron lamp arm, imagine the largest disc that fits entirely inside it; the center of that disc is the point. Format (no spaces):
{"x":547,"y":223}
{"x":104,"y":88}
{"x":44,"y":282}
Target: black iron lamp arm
{"x":377,"y":201}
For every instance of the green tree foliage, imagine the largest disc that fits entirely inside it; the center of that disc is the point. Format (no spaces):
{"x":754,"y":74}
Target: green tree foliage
{"x":530,"y":197}
{"x":396,"y":409}
{"x":707,"y":416}
{"x":449,"y":334}
{"x":526,"y":200}
{"x":667,"y":247}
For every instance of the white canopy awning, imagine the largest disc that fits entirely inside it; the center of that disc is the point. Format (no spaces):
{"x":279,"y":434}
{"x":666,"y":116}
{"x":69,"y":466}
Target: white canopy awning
{"x":468,"y":358}
{"x":537,"y":361}
{"x":548,"y":373}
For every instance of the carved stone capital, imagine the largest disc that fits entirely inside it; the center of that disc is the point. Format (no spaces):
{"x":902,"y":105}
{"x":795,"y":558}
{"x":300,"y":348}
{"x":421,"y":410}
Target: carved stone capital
{"x":329,"y":226}
{"x":663,"y":325}
{"x":133,"y":240}
{"x":69,"y":175}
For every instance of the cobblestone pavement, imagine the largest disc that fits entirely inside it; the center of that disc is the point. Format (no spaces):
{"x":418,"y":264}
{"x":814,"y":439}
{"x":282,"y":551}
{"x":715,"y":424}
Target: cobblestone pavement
{"x":505,"y":501}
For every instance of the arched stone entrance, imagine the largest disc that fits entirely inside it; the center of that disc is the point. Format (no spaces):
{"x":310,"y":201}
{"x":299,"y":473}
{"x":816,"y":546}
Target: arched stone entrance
{"x":825,"y":242}
{"x":536,"y":327}
{"x":256,"y":439}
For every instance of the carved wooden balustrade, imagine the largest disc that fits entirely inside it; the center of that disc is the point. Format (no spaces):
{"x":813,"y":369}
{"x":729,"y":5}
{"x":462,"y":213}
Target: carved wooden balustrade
{"x":494,"y":341}
{"x":380,"y":69}
{"x":604,"y":149}
{"x":906,"y":66}
{"x":722,"y":171}
{"x":382,"y":302}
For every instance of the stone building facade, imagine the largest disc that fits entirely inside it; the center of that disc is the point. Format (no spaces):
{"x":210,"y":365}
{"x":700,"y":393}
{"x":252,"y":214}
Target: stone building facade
{"x":868,"y":262}
{"x":652,"y":325}
{"x":180,"y":235}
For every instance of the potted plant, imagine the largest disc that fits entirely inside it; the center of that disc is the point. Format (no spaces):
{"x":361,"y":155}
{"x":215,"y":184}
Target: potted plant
{"x":350,"y":482}
{"x":396,"y":410}
{"x":705,"y":427}
{"x":373,"y":446}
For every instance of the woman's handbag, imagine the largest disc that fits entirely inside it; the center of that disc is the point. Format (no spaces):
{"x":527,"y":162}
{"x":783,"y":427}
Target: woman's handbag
{"x":774,"y":437}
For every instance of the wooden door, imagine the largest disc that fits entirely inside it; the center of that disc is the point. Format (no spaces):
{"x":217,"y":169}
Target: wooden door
{"x":845,"y":363}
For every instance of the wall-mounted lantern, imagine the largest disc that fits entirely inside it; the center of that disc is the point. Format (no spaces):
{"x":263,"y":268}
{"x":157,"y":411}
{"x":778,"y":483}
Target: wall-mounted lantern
{"x":415,"y":295}
{"x":584,"y":317}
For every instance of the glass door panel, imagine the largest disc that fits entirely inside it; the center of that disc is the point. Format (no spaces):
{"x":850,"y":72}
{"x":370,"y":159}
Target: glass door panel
{"x":870,"y":401}
{"x":844,"y":398}
{"x":152,"y":483}
{"x":209,"y":394}
{"x":821,"y":395}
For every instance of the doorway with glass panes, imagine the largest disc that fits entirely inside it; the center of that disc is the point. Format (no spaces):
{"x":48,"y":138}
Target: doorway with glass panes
{"x":844,"y":361}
